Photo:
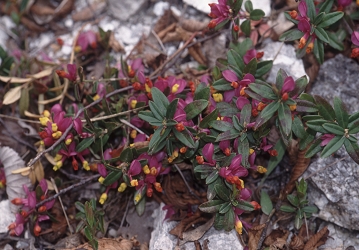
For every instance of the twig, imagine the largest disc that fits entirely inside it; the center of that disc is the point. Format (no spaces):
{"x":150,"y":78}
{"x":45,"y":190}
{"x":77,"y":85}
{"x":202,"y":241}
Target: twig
{"x":180,"y":50}
{"x":134,"y":127}
{"x":185,"y":182}
{"x":18,"y":119}
{"x":62,"y":205}
{"x":126,"y":211}
{"x":280,"y":48}
{"x":159,"y":41}
{"x":39,"y":155}
{"x":65,"y":190}
{"x":322,"y":169}
{"x":100,"y":118}
{"x":264,"y":232}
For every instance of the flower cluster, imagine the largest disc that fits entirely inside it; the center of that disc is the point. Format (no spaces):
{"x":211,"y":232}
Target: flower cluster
{"x":28,"y":209}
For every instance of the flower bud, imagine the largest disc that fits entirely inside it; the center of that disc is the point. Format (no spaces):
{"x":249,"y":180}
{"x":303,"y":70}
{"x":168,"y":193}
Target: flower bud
{"x":199,"y":159}
{"x":103,"y":198}
{"x":285,"y":96}
{"x":293,"y":14}
{"x":17,"y":201}
{"x":37,"y":230}
{"x":42,"y":209}
{"x":134,"y":183}
{"x":236,"y":28}
{"x":212,"y":24}
{"x":122,"y":187}
{"x":136,"y":86}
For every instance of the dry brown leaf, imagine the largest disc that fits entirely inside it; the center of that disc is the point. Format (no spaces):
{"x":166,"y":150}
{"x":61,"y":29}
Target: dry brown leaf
{"x":292,"y":150}
{"x":197,"y":233}
{"x":64,"y":8}
{"x":41,"y":10}
{"x":196,"y":52}
{"x":59,"y":227}
{"x":185,"y":222}
{"x":29,"y":78}
{"x":12,"y":95}
{"x":296,"y":243}
{"x":301,"y":165}
{"x":179,"y":34}
{"x":31,"y":25}
{"x":109,"y":244}
{"x":317,"y":239}
{"x":254,"y":235}
{"x":276,"y":238}
{"x":73,"y":240}
{"x":193,"y":25}
{"x":114,"y":44}
{"x":311,"y":66}
{"x":166,"y":20}
{"x":91,"y":11}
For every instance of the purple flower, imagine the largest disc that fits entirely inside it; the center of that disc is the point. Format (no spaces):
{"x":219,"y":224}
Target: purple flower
{"x":86,"y":39}
{"x":234,"y":169}
{"x":355,"y":38}
{"x":219,"y":13}
{"x":326,"y":138}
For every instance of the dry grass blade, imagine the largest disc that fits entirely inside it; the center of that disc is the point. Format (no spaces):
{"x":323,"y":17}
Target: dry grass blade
{"x":317,"y":239}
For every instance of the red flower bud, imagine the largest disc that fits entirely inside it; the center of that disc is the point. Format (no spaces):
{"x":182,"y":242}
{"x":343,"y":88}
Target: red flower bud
{"x":212,"y":24}
{"x":59,"y":41}
{"x":236,"y":28}
{"x":123,"y":83}
{"x":180,"y":127}
{"x":149,"y":192}
{"x":227,"y":151}
{"x":131,"y":73}
{"x":199,"y":159}
{"x":234,"y":85}
{"x":61,"y":73}
{"x":255,"y":205}
{"x":293,"y":14}
{"x":355,"y":53}
{"x":136,"y":86}
{"x":17,"y":201}
{"x":42,"y":209}
{"x":254,"y":112}
{"x":285,"y":96}
{"x":259,"y":55}
{"x":37,"y":230}
{"x":273,"y":152}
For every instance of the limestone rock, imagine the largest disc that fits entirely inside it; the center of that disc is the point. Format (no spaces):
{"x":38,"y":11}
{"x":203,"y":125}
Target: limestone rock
{"x":335,"y":189}
{"x":124,"y":9}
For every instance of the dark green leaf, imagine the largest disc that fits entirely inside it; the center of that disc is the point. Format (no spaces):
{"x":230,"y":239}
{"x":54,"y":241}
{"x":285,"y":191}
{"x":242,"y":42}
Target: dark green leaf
{"x":310,"y":209}
{"x":352,"y":149}
{"x":333,"y":129}
{"x":266,"y":203}
{"x":195,"y":108}
{"x":90,"y":218}
{"x":251,"y":67}
{"x":160,"y":99}
{"x":148,"y":117}
{"x":209,"y":118}
{"x":184,"y":137}
{"x":222,"y":85}
{"x":256,"y":14}
{"x":246,"y":27}
{"x":201,"y":93}
{"x":172,"y":107}
{"x":314,"y":148}
{"x":291,"y":35}
{"x":248,"y":6}
{"x":318,"y":18}
{"x":287,"y":15}
{"x":317,"y":125}
{"x":311,"y":12}
{"x":330,"y":18}
{"x":112,"y":177}
{"x":263,"y":67}
{"x":229,"y":220}
{"x":246,"y":113}
{"x":243,"y":149}
{"x":263,"y":90}
{"x":287,"y":209}
{"x":222,"y":192}
{"x":321,"y":34}
{"x":159,"y":135}
{"x":236,"y":123}
{"x":333,"y":146}
{"x":326,"y":6}
{"x":306,"y":106}
{"x":245,"y":45}
{"x":140,"y":207}
{"x":88,"y":233}
{"x":298,"y":221}
{"x":324,"y":108}
{"x":225,"y":207}
{"x":245,"y":205}
{"x":80,"y":206}
{"x":354,"y":127}
{"x":237,"y":6}
{"x":298,"y":128}
{"x":318,"y":51}
{"x":285,"y":118}
{"x":226,"y":109}
{"x":235,"y":60}
{"x":84,"y":144}
{"x":221,"y":125}
{"x":126,"y":155}
{"x":274,"y":160}
{"x":341,"y":114}
{"x":157,"y":113}
{"x":228,"y":135}
{"x":211,"y":206}
{"x":334,"y":42}
{"x":293,"y":199}
{"x":267,"y":113}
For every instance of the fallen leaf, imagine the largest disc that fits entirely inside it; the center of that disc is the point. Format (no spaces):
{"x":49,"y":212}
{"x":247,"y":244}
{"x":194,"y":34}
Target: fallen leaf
{"x":31,"y":25}
{"x":29,"y":78}
{"x":89,"y":12}
{"x":14,"y":182}
{"x":254,"y":235}
{"x":41,"y":10}
{"x":114,"y":44}
{"x":64,"y":8}
{"x":277,"y":238}
{"x":197,"y":233}
{"x":185,"y":223}
{"x":317,"y":239}
{"x":296,"y":243}
{"x":193,"y":25}
{"x":109,"y":244}
{"x":12,"y":95}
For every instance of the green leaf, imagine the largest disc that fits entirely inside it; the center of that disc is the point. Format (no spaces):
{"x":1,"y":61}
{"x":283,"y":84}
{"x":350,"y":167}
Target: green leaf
{"x":243,"y":149}
{"x":157,"y":138}
{"x":287,"y":209}
{"x":246,"y":113}
{"x":84,"y":144}
{"x":330,"y":18}
{"x":263,"y":90}
{"x":293,"y":199}
{"x":236,"y":123}
{"x":245,"y":45}
{"x":157,"y":113}
{"x":222,"y":192}
{"x":221,"y":125}
{"x":112,"y":177}
{"x":225,"y":207}
{"x":212,"y":177}
{"x":90,"y":218}
{"x":326,"y":6}
{"x":318,"y":51}
{"x":141,"y":206}
{"x":79,"y":206}
{"x":211,"y":206}
{"x":352,"y":149}
{"x":281,"y":76}
{"x":298,"y":220}
{"x":285,"y":118}
{"x":341,"y":114}
{"x":195,"y":108}
{"x":287,"y":15}
{"x":148,"y":117}
{"x":245,"y":205}
{"x":226,"y":109}
{"x":222,"y":85}
{"x":251,"y":67}
{"x":317,"y":125}
{"x":248,"y":6}
{"x":333,"y":146}
{"x":88,"y":233}
{"x":321,"y":34}
{"x":314,"y":148}
{"x":209,"y":118}
{"x":333,"y":129}
{"x":235,"y":60}
{"x":237,"y":6}
{"x":228,"y":135}
{"x":160,"y":99}
{"x":298,"y":128}
{"x":171,"y":110}
{"x":311,"y":12}
{"x":184,"y":137}
{"x":201,"y":93}
{"x":266,"y":203}
{"x":318,"y":18}
{"x":126,"y":155}
{"x":246,"y":27}
{"x":310,"y":209}
{"x":274,"y":160}
{"x":229,"y":220}
{"x":291,"y":35}
{"x":334,"y":42}
{"x":324,"y":108}
{"x":256,"y":14}
{"x":306,"y":106}
{"x":263,"y":67}
{"x":267,"y":113}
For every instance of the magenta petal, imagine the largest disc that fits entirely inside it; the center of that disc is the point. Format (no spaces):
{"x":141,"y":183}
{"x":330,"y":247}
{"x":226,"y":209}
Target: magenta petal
{"x":49,"y":204}
{"x":222,"y":172}
{"x":223,"y":145}
{"x":241,"y":101}
{"x":228,"y":95}
{"x":252,"y":158}
{"x":207,"y":152}
{"x":43,"y":185}
{"x":236,"y":161}
{"x":31,"y":199}
{"x":102,"y":170}
{"x":288,"y":85}
{"x":355,"y":38}
{"x":136,"y":64}
{"x":230,"y":76}
{"x":245,"y":194}
{"x":141,"y":77}
{"x":19,"y":229}
{"x":43,"y":217}
{"x":302,"y":7}
{"x":71,"y":68}
{"x":78,"y":125}
{"x":249,"y":77}
{"x":250,"y":54}
{"x":56,"y":109}
{"x":135,"y":168}
{"x":304,"y":26}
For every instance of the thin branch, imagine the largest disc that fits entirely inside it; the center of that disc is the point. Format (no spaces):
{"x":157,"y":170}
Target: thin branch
{"x":100,"y":118}
{"x":18,"y":119}
{"x":134,"y":127}
{"x":65,"y":190}
{"x":39,"y":155}
{"x":185,"y":182}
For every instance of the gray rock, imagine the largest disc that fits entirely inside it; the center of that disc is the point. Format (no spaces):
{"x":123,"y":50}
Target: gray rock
{"x":340,"y":238}
{"x":162,"y":240}
{"x":124,"y":9}
{"x":284,"y":57}
{"x":335,"y":189}
{"x":8,"y":217}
